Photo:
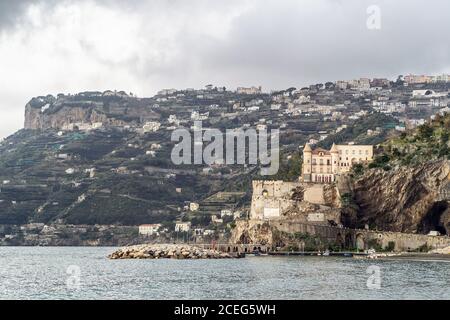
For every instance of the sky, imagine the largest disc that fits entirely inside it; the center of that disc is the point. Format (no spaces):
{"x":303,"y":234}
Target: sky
{"x":69,"y":46}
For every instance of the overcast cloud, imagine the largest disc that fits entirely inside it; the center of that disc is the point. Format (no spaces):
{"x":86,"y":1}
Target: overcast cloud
{"x":144,"y":46}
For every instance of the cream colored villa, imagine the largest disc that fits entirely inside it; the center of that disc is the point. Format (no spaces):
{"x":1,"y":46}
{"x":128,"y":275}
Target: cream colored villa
{"x":322,"y":166}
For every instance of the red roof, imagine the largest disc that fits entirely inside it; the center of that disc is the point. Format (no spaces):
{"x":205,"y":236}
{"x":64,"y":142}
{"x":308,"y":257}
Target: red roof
{"x":318,"y":150}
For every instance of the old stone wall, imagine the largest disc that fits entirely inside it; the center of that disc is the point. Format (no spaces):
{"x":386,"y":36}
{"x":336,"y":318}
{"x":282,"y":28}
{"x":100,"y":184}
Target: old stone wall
{"x":275,"y":199}
{"x":261,"y":232}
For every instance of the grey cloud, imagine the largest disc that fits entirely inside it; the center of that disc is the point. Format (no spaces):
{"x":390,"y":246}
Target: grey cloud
{"x":325,"y":40}
{"x":10,"y":10}
{"x":276,"y":44}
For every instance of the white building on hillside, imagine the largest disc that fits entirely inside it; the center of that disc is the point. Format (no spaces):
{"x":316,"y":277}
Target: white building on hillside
{"x":182,"y":227}
{"x":149,"y":229}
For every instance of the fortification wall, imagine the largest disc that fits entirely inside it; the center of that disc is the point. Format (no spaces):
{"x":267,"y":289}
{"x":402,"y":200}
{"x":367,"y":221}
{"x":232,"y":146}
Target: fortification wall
{"x":404,"y":241}
{"x":270,"y":199}
{"x":349,"y":238}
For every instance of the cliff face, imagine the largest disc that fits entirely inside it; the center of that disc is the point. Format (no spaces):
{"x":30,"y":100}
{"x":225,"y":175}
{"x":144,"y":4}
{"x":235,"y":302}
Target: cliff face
{"x":252,"y":231}
{"x":35,"y":119}
{"x":406,"y":199}
{"x":50,"y":112}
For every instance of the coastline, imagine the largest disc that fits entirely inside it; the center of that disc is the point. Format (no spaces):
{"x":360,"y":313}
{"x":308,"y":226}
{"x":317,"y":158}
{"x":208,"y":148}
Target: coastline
{"x":408,"y":256}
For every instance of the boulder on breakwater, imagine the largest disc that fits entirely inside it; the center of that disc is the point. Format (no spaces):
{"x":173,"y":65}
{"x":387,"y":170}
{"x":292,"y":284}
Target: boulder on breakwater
{"x":167,"y":251}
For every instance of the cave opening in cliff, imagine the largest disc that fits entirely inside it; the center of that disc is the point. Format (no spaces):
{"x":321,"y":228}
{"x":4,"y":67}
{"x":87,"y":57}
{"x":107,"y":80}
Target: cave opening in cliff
{"x":433,"y":220}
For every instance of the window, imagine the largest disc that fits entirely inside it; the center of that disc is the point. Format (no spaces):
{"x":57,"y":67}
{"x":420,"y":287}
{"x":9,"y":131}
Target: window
{"x":328,"y":162}
{"x":321,"y":161}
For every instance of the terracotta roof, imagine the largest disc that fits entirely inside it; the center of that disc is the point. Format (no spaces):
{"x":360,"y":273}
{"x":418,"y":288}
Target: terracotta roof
{"x":318,"y":150}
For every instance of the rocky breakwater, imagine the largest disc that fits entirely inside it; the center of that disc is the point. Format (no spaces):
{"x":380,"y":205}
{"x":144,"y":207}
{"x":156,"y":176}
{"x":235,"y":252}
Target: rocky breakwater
{"x":168,"y":251}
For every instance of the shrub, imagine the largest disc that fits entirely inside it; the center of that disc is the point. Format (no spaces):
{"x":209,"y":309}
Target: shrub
{"x":424,"y":248}
{"x":358,"y":169}
{"x":374,"y":244}
{"x":425,"y":131}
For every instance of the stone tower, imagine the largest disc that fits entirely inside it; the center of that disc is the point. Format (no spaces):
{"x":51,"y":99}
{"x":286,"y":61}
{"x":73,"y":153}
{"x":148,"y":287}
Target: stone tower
{"x":307,"y":160}
{"x":334,"y":159}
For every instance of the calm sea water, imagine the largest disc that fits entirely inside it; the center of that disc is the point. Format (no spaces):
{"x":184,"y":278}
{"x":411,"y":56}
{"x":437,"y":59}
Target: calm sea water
{"x":86,"y":273}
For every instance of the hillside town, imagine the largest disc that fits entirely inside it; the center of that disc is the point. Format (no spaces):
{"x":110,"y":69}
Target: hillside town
{"x":103,"y":158}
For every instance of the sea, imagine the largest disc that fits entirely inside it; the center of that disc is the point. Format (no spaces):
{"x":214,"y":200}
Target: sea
{"x":66,"y":273}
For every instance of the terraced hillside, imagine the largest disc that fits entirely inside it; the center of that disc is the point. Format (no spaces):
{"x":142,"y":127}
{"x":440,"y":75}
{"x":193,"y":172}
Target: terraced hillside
{"x":86,"y":158}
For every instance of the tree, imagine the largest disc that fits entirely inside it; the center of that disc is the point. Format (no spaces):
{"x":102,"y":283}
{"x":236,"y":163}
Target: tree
{"x":329,"y":85}
{"x":358,"y":169}
{"x":447,"y":122}
{"x":425,"y":131}
{"x":399,"y":81}
{"x":290,"y":90}
{"x":444,"y":137}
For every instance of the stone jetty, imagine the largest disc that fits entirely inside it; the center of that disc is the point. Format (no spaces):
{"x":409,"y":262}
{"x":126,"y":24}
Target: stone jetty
{"x":167,"y":251}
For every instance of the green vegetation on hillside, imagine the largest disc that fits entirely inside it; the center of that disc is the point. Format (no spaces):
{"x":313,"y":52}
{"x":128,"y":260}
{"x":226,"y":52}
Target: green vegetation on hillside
{"x":358,"y":131}
{"x":428,"y":142}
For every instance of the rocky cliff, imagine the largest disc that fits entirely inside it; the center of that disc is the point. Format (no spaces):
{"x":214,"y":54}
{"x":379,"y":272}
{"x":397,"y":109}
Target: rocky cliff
{"x":106,"y":108}
{"x":404,"y":199}
{"x":252,"y":231}
{"x":406,"y":187}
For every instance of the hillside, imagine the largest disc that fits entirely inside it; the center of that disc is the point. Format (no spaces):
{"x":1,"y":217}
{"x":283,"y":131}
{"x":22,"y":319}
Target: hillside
{"x":101,"y":177}
{"x":88,"y":159}
{"x":428,"y":142}
{"x":104,"y":157}
{"x":407,"y":187}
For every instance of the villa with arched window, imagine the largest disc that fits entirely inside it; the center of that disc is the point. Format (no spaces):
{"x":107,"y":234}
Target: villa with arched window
{"x":322,"y":166}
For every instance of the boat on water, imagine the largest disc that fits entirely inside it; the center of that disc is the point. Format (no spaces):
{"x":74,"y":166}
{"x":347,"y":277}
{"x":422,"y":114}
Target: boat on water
{"x":256,"y":253}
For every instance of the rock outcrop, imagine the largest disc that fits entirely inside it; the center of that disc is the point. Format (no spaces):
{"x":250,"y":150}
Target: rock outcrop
{"x":167,"y":251}
{"x":88,"y":108}
{"x":252,"y":231}
{"x":404,"y":199}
